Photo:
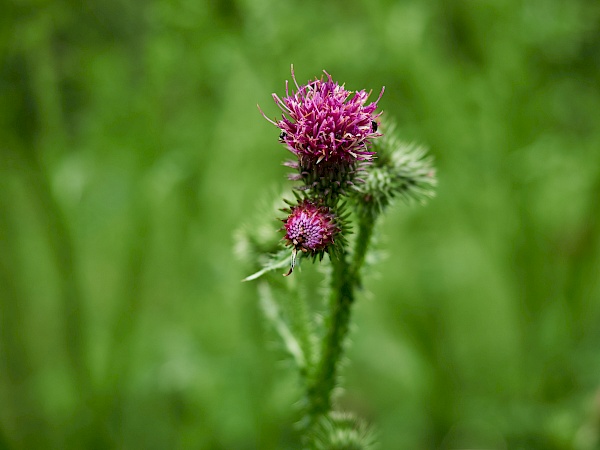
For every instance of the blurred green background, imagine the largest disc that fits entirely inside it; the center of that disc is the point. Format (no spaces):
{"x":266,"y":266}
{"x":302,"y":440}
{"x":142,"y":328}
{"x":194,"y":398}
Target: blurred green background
{"x":131,"y":149}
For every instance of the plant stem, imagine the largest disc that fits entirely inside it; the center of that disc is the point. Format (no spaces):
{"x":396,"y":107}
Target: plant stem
{"x":363,"y":239}
{"x":342,"y":297}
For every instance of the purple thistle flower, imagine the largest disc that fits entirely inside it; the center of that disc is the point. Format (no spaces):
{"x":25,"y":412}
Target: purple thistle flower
{"x":311,"y":228}
{"x":327,"y":127}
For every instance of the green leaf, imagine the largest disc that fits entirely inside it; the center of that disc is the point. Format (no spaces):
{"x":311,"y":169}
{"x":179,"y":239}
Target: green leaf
{"x":271,"y":265}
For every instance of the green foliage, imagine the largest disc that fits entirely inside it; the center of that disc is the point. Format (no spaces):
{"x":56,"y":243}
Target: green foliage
{"x":131,"y":149}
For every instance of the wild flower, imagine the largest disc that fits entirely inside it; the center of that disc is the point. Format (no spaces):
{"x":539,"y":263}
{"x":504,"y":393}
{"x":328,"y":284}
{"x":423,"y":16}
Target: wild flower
{"x":329,"y":129}
{"x":331,"y":132}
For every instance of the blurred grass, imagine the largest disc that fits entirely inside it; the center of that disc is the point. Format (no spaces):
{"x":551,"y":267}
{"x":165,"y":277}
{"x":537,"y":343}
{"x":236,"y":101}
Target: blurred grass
{"x":131,"y":149}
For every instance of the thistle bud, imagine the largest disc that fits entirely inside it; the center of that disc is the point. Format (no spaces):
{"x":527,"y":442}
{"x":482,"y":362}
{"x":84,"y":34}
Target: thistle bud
{"x":310,"y":228}
{"x":342,"y":431}
{"x":401,"y":170}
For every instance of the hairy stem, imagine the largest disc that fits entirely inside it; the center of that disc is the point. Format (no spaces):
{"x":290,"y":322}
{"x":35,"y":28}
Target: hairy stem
{"x":363,"y":239}
{"x":342,"y":297}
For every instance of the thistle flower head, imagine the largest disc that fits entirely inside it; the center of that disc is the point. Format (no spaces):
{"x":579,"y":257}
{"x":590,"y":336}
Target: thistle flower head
{"x":327,"y":127}
{"x":324,"y":121}
{"x":310,"y":228}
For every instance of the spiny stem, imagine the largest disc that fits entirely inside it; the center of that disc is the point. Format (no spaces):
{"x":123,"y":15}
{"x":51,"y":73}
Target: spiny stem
{"x":342,"y":297}
{"x":363,"y":239}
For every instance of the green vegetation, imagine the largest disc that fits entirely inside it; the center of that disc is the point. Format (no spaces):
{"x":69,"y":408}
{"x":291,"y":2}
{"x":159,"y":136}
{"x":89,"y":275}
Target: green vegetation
{"x":131,"y":149}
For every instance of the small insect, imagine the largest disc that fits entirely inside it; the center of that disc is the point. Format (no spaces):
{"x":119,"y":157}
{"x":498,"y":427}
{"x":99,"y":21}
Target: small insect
{"x":282,"y":136}
{"x":374,"y":126}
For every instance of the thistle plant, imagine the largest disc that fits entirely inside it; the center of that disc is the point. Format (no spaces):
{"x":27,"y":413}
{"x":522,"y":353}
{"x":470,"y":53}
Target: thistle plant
{"x":348,"y":166}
